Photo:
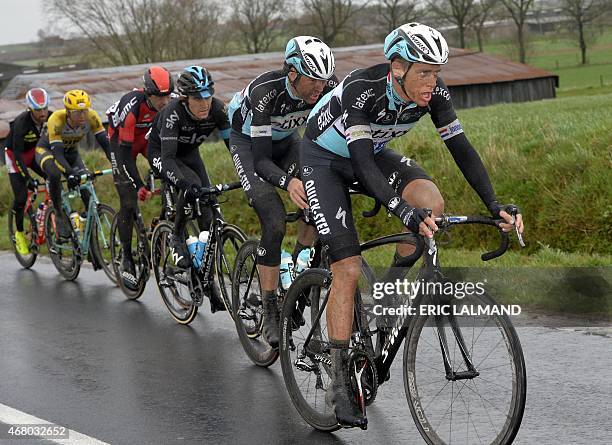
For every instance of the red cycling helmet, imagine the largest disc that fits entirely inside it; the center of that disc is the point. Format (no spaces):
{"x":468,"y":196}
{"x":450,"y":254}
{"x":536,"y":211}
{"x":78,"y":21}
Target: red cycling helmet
{"x":158,"y":81}
{"x":37,"y":99}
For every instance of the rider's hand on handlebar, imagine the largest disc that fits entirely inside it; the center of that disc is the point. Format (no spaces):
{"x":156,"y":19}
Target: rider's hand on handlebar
{"x":416,"y":219}
{"x":73,"y":180}
{"x":144,"y":193}
{"x":510,"y":213}
{"x":297,"y":193}
{"x":31,"y":184}
{"x":192,"y":193}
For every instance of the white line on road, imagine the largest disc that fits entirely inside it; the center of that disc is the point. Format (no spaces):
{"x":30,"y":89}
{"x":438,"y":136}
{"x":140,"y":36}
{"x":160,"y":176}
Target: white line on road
{"x":12,"y":416}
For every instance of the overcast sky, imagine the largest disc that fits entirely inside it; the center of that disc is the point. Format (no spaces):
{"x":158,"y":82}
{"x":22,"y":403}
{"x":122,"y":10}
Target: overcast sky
{"x":21,"y":20}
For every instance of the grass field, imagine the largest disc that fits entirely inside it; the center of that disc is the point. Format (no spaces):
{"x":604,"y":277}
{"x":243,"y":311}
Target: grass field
{"x":561,"y":55}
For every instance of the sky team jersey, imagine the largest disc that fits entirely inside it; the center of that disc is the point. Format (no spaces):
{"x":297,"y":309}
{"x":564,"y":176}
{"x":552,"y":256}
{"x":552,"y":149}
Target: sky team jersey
{"x":130,"y":119}
{"x":61,"y":132}
{"x":365,"y":107}
{"x":267,"y":108}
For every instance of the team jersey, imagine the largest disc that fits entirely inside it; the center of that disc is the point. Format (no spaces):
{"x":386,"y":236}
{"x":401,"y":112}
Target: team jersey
{"x":267,"y":108}
{"x":129,"y":120}
{"x":60,"y":132}
{"x":364,"y":107}
{"x":21,"y":142}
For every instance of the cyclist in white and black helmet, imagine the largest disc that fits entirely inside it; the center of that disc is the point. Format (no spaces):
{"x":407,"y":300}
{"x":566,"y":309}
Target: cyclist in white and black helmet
{"x":346,"y":141}
{"x":265,"y":117}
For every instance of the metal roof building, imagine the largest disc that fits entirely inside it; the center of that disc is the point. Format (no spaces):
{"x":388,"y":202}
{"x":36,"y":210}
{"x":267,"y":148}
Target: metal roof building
{"x":475,"y":79}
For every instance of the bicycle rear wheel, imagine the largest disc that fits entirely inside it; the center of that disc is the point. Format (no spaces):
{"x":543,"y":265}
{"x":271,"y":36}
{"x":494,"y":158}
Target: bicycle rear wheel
{"x":30,"y":232}
{"x":485,"y":406}
{"x":248,"y":307}
{"x":140,"y":255}
{"x":101,"y":240}
{"x":306,"y":368}
{"x":174,"y":284}
{"x":227,"y":250}
{"x":65,"y":256}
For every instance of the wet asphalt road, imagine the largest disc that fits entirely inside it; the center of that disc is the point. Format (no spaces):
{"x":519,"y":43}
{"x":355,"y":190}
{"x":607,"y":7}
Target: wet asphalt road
{"x":80,"y":355}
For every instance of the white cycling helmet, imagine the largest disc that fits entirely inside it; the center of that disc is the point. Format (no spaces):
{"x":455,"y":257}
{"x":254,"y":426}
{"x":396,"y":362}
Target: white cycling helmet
{"x":310,"y":57}
{"x":417,"y":43}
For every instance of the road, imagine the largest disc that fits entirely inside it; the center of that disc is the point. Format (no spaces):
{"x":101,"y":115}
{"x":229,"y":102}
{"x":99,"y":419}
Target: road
{"x":78,"y":354}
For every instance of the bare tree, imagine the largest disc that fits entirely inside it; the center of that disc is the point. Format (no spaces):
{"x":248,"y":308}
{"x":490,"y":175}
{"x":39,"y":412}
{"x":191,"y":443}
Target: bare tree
{"x":331,"y":17}
{"x":518,"y":11}
{"x":483,"y":12}
{"x":582,"y":13}
{"x":394,"y":13}
{"x":142,"y":31}
{"x":458,"y":12}
{"x":259,"y":22}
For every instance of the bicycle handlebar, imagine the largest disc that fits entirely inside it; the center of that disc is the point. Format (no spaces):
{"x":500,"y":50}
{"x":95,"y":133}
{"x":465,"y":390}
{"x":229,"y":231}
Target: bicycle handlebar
{"x":218,"y":189}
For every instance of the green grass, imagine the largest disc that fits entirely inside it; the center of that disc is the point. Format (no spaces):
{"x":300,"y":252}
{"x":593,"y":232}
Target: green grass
{"x":561,"y":55}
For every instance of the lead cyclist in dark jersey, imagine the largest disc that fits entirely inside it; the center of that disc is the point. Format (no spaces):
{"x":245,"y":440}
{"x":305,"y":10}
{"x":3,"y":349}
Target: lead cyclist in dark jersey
{"x":264,"y":145}
{"x":346,"y":140}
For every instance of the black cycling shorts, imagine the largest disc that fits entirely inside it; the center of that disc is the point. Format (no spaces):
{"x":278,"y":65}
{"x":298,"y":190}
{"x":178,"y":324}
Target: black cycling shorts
{"x":327,"y":178}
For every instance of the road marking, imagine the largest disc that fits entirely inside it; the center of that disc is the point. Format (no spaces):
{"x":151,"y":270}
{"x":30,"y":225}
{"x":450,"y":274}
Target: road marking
{"x":12,"y":416}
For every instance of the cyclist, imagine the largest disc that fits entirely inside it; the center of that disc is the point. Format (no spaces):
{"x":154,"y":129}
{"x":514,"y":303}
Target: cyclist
{"x":21,"y":141}
{"x":265,"y":117}
{"x":57,"y":152}
{"x":129,"y":120}
{"x":174,"y":141}
{"x":346,"y":140}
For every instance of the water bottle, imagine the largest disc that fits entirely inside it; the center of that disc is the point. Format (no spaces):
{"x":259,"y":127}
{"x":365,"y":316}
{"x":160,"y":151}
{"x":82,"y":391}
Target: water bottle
{"x":201,"y":246}
{"x":286,"y":269}
{"x":192,"y":245}
{"x":302,"y":261}
{"x":40,"y":222}
{"x":75,"y":219}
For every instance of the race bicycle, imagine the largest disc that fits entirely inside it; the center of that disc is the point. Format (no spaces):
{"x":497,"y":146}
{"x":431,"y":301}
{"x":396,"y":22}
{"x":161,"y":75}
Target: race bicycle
{"x":183,"y":290}
{"x":93,"y":241}
{"x":34,"y":224}
{"x":464,"y":375}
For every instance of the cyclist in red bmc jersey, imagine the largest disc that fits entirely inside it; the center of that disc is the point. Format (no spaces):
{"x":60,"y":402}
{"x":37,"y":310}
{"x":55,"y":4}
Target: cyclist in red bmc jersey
{"x":129,"y":120}
{"x":19,"y":153}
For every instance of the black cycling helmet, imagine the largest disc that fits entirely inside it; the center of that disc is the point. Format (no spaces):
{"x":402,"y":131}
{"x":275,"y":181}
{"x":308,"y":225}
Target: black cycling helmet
{"x":195,"y":81}
{"x":158,"y":81}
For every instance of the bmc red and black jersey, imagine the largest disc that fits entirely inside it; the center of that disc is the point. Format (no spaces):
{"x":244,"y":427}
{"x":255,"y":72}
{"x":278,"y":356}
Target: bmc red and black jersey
{"x":129,"y":120}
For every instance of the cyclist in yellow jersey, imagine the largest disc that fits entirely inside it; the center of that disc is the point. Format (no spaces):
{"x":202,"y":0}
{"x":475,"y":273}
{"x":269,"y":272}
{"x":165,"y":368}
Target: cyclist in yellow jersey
{"x":57,"y":152}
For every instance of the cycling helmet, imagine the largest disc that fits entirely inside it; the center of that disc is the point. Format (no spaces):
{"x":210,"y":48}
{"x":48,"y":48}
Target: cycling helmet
{"x":195,"y":81}
{"x":37,"y":99}
{"x":310,"y":57}
{"x":76,"y":100}
{"x":417,"y":43}
{"x":157,"y":81}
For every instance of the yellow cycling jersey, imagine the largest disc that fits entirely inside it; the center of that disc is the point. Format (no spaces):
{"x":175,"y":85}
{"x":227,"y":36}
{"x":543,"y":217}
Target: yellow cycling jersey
{"x":60,"y":131}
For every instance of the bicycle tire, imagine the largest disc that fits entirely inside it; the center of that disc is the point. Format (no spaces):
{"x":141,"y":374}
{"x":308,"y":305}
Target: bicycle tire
{"x":102,"y":250}
{"x":30,"y":231}
{"x":423,"y":416}
{"x":309,"y":282}
{"x":251,"y":337}
{"x":159,"y":259}
{"x":70,"y":270}
{"x":225,"y":260}
{"x":141,"y":258}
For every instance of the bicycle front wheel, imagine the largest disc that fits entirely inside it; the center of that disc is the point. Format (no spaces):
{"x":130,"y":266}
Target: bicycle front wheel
{"x":66,"y":256}
{"x":480,"y":396}
{"x":30,"y":232}
{"x":248,"y":306}
{"x":227,"y":250}
{"x":174,"y":284}
{"x":101,"y":240}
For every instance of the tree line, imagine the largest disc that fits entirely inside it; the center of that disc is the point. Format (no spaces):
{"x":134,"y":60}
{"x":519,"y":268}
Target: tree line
{"x":126,"y":32}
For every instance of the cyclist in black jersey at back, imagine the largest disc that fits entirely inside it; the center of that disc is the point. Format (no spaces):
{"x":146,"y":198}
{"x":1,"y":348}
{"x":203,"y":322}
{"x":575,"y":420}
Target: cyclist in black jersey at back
{"x":173,"y":152}
{"x":346,"y":140}
{"x":19,"y":154}
{"x":264,"y":144}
